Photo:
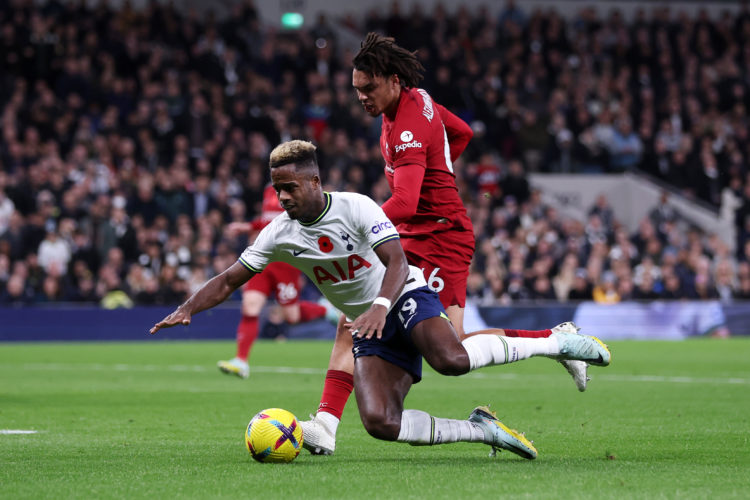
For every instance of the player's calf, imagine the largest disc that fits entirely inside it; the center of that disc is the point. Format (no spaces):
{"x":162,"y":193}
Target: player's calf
{"x":380,"y":388}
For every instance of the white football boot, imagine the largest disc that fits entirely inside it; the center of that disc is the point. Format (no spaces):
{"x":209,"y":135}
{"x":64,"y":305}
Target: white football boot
{"x":316,"y":438}
{"x":235,"y":366}
{"x":577,"y":369}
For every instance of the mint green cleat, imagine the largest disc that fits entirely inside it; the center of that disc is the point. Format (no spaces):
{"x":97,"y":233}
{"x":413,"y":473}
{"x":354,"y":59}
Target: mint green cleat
{"x":581,"y":347}
{"x":497,"y":435}
{"x":577,"y":369}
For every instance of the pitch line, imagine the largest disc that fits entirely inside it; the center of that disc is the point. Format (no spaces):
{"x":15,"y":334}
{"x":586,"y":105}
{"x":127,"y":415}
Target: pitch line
{"x":17,"y":431}
{"x":120,"y":367}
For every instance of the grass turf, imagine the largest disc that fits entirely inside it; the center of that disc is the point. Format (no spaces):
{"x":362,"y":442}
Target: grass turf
{"x":156,"y":419}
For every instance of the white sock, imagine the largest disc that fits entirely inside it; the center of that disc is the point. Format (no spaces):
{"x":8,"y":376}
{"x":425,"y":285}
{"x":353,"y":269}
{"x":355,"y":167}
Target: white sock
{"x":329,"y":420}
{"x":489,"y":350}
{"x":421,"y":428}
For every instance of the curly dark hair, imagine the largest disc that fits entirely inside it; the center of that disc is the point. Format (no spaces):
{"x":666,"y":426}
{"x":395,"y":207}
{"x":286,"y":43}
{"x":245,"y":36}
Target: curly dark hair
{"x":379,"y":55}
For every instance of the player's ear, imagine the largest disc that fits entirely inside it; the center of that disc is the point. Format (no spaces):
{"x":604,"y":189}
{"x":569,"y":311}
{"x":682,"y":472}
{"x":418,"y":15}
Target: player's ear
{"x":395,"y":79}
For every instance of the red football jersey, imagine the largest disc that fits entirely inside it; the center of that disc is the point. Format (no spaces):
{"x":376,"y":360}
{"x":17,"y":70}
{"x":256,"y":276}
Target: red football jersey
{"x":418,"y":137}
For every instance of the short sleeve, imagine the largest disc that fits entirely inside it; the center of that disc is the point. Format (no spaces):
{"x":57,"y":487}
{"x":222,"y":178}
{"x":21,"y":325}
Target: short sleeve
{"x":258,"y":255}
{"x":373,"y":224}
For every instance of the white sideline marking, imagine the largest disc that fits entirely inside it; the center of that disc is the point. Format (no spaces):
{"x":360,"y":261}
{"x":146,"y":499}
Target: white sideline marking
{"x":318,"y":371}
{"x":16,"y":431}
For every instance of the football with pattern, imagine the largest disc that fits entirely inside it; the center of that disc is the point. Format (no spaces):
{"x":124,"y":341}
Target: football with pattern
{"x":274,"y":436}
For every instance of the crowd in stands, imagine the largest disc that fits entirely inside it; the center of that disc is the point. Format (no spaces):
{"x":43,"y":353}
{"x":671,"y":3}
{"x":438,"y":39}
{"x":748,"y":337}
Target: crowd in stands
{"x":129,"y":139}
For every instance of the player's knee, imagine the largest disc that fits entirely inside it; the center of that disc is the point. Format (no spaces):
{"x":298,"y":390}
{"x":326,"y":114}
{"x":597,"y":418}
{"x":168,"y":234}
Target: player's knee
{"x":380,"y":425}
{"x":449,"y":363}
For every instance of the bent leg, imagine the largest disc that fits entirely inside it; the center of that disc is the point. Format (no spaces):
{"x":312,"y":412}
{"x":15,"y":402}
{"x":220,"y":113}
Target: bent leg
{"x":436,"y":340}
{"x":291,"y":313}
{"x":381,"y":388}
{"x":438,"y":343}
{"x":302,"y":312}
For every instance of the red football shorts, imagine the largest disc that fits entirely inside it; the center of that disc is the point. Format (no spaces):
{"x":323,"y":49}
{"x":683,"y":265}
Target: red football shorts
{"x":279,"y":279}
{"x":444,"y":259}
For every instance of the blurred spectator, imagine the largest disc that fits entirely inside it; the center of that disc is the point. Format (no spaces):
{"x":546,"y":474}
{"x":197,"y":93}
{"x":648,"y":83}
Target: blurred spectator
{"x":7,"y":207}
{"x":581,"y":288}
{"x":605,"y":292}
{"x":54,"y":252}
{"x":16,"y":291}
{"x":604,"y":211}
{"x":626,"y":148}
{"x":515,"y":184}
{"x":51,"y":289}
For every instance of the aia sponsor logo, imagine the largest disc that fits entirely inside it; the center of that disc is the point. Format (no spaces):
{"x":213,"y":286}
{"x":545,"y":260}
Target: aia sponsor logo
{"x":336,"y":271}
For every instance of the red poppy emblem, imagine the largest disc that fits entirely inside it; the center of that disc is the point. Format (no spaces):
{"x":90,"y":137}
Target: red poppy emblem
{"x":324,"y":242}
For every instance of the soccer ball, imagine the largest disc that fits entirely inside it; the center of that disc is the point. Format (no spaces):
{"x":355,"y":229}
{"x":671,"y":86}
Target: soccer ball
{"x":274,"y":435}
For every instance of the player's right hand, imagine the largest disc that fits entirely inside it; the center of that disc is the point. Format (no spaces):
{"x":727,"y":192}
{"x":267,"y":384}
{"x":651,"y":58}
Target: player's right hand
{"x":179,"y":317}
{"x":370,"y":323}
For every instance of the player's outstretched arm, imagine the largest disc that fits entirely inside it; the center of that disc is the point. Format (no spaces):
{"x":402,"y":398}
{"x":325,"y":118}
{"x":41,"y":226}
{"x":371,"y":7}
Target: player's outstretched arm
{"x":372,"y":321}
{"x":213,"y":292}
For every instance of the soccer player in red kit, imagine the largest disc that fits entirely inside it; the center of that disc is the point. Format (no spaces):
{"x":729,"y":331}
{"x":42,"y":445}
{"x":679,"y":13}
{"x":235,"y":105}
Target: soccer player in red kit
{"x":279,"y":279}
{"x":419,"y":140}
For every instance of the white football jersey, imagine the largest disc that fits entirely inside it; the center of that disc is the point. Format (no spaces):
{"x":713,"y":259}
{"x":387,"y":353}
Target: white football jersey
{"x":336,"y":250}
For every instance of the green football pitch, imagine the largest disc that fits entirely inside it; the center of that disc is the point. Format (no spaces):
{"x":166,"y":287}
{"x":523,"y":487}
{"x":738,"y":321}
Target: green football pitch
{"x":157,"y":420}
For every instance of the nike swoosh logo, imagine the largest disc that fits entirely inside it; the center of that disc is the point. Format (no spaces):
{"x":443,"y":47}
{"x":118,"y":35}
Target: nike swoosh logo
{"x":298,"y":252}
{"x":600,"y":360}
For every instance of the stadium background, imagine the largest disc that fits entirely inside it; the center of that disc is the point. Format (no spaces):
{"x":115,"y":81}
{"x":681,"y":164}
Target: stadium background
{"x":607,"y":180}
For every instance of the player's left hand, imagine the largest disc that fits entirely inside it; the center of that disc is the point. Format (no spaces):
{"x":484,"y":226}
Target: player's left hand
{"x":178,"y":317}
{"x":370,"y":323}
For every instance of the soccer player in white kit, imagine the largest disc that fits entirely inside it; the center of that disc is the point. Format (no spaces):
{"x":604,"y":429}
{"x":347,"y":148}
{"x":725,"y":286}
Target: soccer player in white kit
{"x":347,"y":246}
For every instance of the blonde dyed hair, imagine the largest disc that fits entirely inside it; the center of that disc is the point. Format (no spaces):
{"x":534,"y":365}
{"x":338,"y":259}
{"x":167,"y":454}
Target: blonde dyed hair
{"x":301,"y":153}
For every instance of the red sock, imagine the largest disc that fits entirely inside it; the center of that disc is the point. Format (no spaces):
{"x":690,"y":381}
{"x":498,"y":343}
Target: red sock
{"x":247,"y":332}
{"x":309,"y":311}
{"x":530,"y":334}
{"x":336,"y":390}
